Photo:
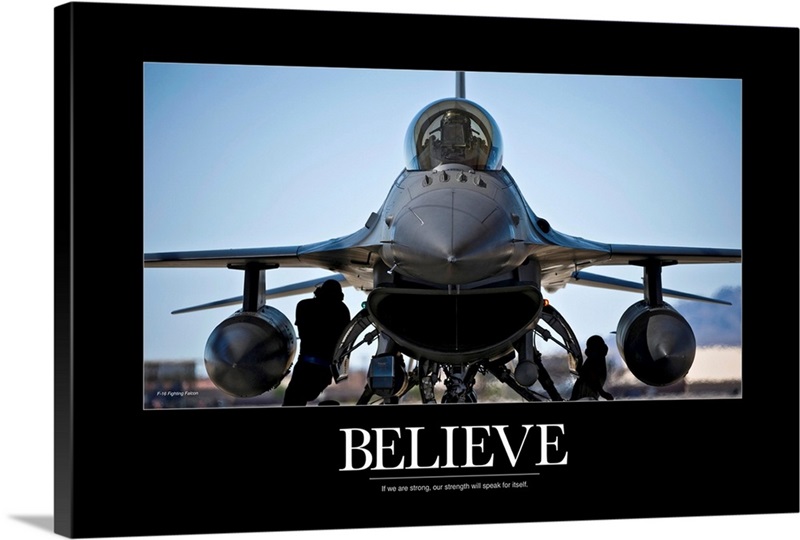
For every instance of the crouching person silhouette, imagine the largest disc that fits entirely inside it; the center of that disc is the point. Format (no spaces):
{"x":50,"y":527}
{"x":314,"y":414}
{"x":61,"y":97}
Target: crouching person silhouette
{"x":592,"y":373}
{"x":320,"y":322}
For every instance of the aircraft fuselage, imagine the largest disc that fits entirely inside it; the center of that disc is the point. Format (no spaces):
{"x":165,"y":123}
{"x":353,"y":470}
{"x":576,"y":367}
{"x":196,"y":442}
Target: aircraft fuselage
{"x":455,"y":284}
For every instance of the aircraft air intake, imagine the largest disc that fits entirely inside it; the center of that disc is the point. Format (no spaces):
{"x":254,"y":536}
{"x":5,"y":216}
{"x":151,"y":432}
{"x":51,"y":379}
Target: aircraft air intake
{"x":455,"y":328}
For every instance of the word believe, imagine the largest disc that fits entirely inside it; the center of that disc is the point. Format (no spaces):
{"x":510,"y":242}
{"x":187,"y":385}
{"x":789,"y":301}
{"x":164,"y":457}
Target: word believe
{"x":393,"y":448}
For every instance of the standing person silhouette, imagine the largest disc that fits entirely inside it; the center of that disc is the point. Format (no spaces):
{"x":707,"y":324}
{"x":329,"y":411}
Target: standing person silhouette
{"x":592,"y":373}
{"x":320,"y":322}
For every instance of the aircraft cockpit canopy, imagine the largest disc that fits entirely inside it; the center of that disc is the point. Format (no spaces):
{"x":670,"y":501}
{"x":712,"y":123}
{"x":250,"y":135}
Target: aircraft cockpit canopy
{"x":451,"y":131}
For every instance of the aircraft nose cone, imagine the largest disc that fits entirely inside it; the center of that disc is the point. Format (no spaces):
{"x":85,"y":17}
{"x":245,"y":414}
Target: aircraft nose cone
{"x":450,"y":237}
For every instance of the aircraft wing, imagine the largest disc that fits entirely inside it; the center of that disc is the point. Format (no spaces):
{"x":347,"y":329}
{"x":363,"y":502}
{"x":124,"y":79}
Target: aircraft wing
{"x":349,"y":255}
{"x":556,"y":248}
{"x":605,"y":282}
{"x":566,"y":267}
{"x":344,"y":251}
{"x":628,"y":253}
{"x":222,"y":258}
{"x":631,"y":254}
{"x":302,"y":287}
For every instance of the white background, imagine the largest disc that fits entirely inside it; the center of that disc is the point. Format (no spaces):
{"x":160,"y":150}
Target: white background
{"x":26,"y":329}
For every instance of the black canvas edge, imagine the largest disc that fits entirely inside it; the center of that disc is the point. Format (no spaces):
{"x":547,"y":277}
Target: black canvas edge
{"x":63,"y":300}
{"x":98,"y":319}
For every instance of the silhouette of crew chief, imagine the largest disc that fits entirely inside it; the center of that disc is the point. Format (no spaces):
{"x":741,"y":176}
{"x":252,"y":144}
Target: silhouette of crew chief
{"x":320,"y":322}
{"x":592,"y":373}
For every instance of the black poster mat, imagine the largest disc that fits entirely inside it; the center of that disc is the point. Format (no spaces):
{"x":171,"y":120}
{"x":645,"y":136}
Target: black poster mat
{"x":721,"y":456}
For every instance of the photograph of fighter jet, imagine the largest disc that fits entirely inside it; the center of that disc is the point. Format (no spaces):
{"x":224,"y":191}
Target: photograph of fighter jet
{"x":481,"y":226}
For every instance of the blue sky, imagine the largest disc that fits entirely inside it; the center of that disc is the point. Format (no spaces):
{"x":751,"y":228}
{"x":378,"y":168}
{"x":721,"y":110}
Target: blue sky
{"x":243,"y":156}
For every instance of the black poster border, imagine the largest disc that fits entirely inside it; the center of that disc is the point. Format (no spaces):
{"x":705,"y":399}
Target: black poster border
{"x":98,"y":123}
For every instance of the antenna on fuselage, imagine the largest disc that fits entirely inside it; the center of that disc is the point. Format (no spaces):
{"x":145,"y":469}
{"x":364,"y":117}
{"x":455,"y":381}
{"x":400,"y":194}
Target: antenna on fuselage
{"x":461,"y":84}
